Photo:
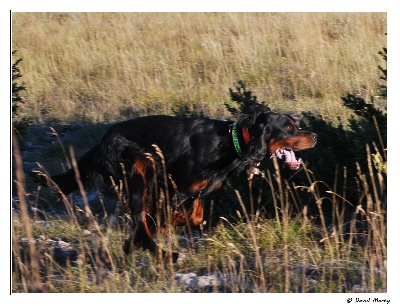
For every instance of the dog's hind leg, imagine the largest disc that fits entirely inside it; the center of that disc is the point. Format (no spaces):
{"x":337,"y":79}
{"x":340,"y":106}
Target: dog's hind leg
{"x":143,"y":210}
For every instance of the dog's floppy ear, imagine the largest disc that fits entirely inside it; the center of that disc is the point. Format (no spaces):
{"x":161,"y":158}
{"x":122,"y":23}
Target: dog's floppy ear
{"x":248,"y":118}
{"x":267,"y":127}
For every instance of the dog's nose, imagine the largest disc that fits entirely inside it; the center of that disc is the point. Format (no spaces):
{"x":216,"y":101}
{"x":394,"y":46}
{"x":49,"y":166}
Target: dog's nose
{"x":314,"y":137}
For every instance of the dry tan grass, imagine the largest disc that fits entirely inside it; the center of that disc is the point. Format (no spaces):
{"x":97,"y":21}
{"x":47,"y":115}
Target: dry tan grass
{"x":103,"y":67}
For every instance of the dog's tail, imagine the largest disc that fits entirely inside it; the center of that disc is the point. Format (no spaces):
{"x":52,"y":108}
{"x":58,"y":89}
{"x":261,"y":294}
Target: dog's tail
{"x":66,"y":182}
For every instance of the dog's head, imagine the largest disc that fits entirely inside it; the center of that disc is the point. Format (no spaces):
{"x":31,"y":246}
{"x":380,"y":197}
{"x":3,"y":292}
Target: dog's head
{"x":273,"y":133}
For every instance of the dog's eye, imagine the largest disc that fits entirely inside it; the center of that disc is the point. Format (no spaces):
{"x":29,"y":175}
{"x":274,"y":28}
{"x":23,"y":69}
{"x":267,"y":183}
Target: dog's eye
{"x":289,"y":128}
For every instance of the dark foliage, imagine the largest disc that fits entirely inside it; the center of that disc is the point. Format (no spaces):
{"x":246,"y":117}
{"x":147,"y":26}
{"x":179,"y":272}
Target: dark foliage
{"x":383,"y":53}
{"x":242,"y":98}
{"x":18,"y":87}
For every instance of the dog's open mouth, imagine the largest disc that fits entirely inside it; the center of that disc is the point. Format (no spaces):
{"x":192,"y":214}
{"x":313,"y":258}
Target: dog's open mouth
{"x":289,"y":158}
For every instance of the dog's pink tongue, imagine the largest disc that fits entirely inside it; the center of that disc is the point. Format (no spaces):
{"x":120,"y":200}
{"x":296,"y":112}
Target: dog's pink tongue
{"x":290,"y":159}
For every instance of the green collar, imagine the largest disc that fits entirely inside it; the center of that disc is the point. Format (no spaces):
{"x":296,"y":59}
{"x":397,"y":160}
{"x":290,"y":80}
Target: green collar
{"x":235,"y":139}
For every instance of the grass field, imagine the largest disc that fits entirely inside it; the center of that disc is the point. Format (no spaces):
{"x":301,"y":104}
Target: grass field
{"x":102,"y":67}
{"x":83,"y":71}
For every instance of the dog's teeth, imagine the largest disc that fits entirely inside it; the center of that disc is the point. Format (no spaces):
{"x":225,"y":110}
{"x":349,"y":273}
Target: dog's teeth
{"x":279,"y":153}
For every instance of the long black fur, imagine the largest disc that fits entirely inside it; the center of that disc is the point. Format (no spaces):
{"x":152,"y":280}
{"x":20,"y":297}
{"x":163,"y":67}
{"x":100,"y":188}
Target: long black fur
{"x":199,"y":154}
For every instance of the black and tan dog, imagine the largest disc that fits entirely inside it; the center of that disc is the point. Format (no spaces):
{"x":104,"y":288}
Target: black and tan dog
{"x":197,"y":155}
